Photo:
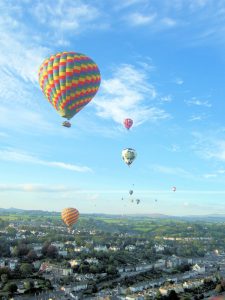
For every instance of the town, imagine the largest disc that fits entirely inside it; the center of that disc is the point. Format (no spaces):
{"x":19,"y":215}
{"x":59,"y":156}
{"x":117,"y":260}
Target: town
{"x":109,"y":257}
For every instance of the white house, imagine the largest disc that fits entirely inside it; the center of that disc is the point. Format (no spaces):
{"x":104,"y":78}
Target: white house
{"x":160,"y":264}
{"x":2,"y":263}
{"x":130,"y":247}
{"x":63,"y":253}
{"x":92,"y":260}
{"x":200,"y":269}
{"x":12,"y":264}
{"x":159,"y":248}
{"x":100,"y":248}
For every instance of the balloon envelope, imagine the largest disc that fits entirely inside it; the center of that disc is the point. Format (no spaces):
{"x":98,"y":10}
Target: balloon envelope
{"x":131,"y":192}
{"x":128,"y":123}
{"x":174,"y":189}
{"x":69,"y":80}
{"x":70,"y":216}
{"x":129,"y":155}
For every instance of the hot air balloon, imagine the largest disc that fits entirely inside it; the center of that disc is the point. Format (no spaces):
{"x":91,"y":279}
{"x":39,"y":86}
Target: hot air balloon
{"x":70,"y":216}
{"x":138,"y":201}
{"x":129,"y":155}
{"x":128,"y":123}
{"x":131,"y":192}
{"x":174,"y":189}
{"x":69,"y":80}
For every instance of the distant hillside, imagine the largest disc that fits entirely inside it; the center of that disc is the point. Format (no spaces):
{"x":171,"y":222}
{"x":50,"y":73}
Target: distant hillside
{"x":205,"y":218}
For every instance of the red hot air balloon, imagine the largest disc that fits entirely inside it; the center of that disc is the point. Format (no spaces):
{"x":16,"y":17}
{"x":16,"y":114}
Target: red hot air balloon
{"x":128,"y":123}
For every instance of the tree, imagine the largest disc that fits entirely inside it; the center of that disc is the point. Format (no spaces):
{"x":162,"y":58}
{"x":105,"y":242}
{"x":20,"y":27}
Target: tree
{"x":173,"y":295}
{"x":52,"y":252}
{"x":4,"y":270}
{"x":4,"y":278}
{"x":32,"y":255}
{"x":20,"y":250}
{"x":219,"y":288}
{"x":26,"y":269}
{"x":28,"y":285}
{"x":10,"y":287}
{"x":44,"y":249}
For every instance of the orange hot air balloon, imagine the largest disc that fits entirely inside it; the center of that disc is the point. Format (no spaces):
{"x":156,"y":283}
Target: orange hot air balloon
{"x":70,"y":216}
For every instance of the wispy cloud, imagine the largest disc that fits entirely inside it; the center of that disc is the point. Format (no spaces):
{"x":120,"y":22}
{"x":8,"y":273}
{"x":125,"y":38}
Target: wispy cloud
{"x":128,"y":94}
{"x":210,"y":145}
{"x":171,"y":170}
{"x":23,"y":157}
{"x":167,"y":98}
{"x":178,"y":81}
{"x":196,"y":118}
{"x":31,"y":187}
{"x":138,"y":19}
{"x":198,"y":102}
{"x":79,"y":15}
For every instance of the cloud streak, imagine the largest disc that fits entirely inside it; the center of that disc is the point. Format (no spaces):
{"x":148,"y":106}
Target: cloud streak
{"x":22,"y":157}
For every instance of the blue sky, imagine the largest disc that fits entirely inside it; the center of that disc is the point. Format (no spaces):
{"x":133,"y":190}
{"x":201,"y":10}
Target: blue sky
{"x":162,"y":64}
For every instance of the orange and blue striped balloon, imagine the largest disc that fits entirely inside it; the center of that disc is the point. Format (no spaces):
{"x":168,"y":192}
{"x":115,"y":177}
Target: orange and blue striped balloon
{"x":69,"y":80}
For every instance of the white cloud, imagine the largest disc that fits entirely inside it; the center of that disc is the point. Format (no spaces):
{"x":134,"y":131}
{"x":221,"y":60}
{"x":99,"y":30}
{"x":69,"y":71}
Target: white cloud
{"x":198,"y":102}
{"x":66,"y":16}
{"x":179,"y":81}
{"x":23,"y":157}
{"x":171,"y":170}
{"x":166,"y":98}
{"x":196,"y":118}
{"x":138,"y":19}
{"x":128,"y":94}
{"x":209,"y":145}
{"x":169,"y":22}
{"x":209,"y":175}
{"x":31,"y":187}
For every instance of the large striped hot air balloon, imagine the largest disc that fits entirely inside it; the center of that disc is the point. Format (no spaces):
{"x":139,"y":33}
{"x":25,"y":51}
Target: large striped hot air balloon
{"x":70,"y":216}
{"x":69,"y":80}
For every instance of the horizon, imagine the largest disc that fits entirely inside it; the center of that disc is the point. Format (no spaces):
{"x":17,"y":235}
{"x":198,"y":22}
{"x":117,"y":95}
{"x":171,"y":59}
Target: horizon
{"x":157,"y":67}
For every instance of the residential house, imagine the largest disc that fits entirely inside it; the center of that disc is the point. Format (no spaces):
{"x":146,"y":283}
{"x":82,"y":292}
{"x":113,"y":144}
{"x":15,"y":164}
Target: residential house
{"x":2,"y":263}
{"x":144,"y":267}
{"x":130,"y":247}
{"x":160,"y":264}
{"x":92,"y":260}
{"x":63,"y":253}
{"x":114,"y":248}
{"x":159,"y":248}
{"x":12,"y":264}
{"x":200,"y":269}
{"x":100,"y":248}
{"x":74,"y":262}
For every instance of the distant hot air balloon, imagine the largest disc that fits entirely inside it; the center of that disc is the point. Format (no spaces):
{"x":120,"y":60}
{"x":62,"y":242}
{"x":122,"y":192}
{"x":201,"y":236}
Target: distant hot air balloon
{"x":70,"y":216}
{"x":69,"y":81}
{"x":129,"y":155}
{"x":174,"y":189}
{"x":131,"y":192}
{"x":128,"y":123}
{"x":138,"y":201}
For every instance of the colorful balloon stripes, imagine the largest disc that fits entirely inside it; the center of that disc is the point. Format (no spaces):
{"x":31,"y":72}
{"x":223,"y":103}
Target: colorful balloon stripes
{"x":70,"y":216}
{"x":69,"y":80}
